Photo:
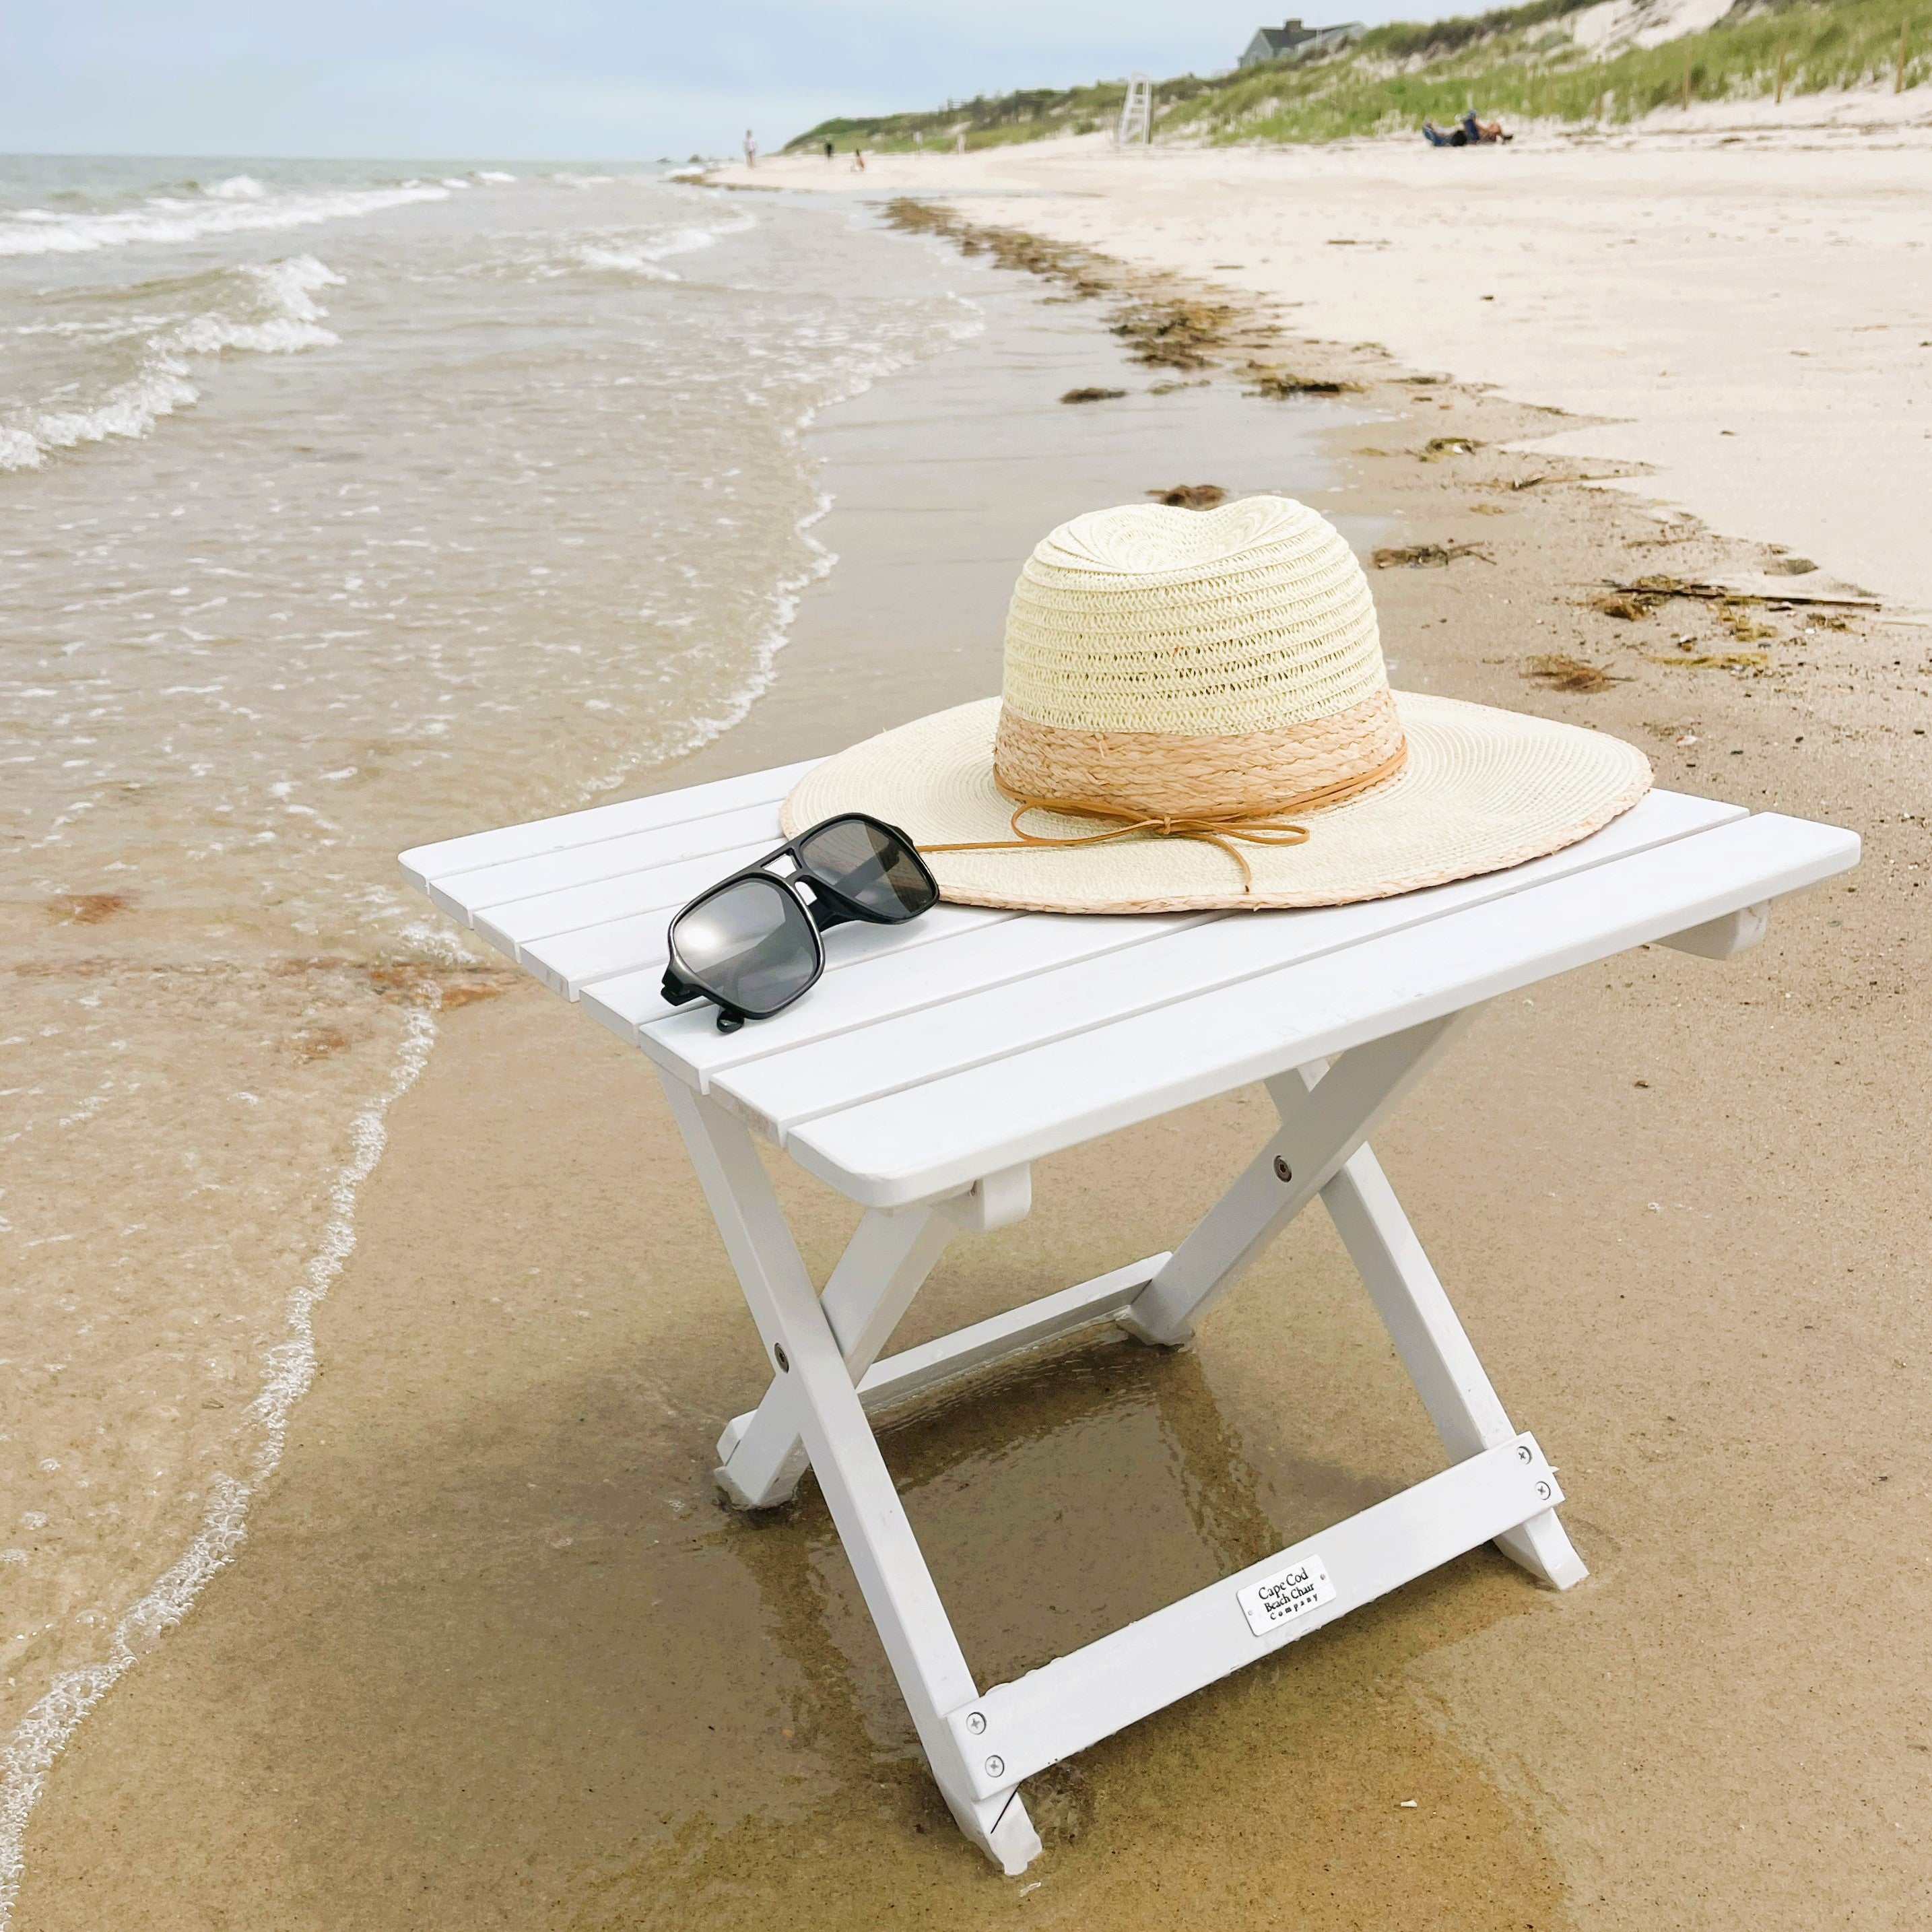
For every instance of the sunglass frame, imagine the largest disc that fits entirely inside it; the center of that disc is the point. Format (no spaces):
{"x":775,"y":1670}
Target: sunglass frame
{"x":829,"y":907}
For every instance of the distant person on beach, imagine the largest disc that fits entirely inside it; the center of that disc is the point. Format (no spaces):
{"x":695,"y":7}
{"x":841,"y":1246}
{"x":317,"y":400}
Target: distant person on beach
{"x":1468,"y":133}
{"x":751,"y":149}
{"x":828,"y":151}
{"x":859,"y":161}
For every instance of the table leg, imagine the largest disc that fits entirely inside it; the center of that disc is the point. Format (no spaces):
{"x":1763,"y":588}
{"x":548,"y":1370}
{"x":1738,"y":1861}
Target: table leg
{"x":1451,"y":1379}
{"x":1320,"y":1130}
{"x":925,"y":1654}
{"x":883,"y":1267}
{"x":1327,"y":1114}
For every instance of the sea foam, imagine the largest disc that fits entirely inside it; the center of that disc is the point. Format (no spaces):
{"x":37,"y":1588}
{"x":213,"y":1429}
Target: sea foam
{"x":280,"y":317}
{"x":644,"y":255}
{"x":168,"y":218}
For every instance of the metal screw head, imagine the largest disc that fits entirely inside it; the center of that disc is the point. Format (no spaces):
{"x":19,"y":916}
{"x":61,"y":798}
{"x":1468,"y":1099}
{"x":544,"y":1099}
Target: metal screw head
{"x":784,"y":1361}
{"x":996,"y":1767}
{"x":1543,"y":1490}
{"x":1522,"y":1452}
{"x":976,"y":1722}
{"x":1282,"y":1172}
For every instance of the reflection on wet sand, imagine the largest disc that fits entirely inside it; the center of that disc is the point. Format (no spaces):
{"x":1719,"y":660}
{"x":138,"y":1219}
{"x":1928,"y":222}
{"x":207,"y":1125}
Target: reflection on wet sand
{"x":1056,"y":1499}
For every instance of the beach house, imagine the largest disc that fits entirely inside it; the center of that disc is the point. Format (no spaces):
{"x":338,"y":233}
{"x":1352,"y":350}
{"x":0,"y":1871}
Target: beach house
{"x":1292,"y":41}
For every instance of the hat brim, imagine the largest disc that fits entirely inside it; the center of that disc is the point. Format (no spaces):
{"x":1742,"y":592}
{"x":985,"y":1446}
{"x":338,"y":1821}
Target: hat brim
{"x":1481,"y":790}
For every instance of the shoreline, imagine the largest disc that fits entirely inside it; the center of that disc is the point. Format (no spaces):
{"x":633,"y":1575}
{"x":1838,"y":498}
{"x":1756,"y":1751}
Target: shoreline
{"x":1761,"y":246}
{"x":197,"y":1051}
{"x":416,"y":994}
{"x":941,"y":479}
{"x":427,"y":1675}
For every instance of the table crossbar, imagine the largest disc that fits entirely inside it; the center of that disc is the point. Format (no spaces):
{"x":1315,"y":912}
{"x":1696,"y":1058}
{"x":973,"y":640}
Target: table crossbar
{"x":1064,"y":1706}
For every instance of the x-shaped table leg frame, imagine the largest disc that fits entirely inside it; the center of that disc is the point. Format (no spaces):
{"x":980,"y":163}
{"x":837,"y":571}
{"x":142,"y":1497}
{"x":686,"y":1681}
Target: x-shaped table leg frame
{"x":825,"y":1351}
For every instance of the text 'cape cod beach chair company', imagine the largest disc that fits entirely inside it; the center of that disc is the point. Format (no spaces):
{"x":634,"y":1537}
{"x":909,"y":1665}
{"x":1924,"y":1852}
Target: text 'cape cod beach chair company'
{"x":1198,"y":843}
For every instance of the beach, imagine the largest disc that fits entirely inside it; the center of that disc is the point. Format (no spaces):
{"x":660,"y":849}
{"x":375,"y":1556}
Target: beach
{"x":1734,"y":297}
{"x":338,"y":497}
{"x":491,"y":1652}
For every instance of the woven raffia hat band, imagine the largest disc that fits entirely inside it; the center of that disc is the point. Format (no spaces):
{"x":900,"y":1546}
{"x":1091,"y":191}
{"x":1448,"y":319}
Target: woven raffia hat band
{"x":1178,"y":683}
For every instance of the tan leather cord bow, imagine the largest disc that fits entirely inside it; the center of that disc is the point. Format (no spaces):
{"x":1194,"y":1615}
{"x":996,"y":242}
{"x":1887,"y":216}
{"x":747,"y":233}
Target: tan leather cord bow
{"x":1260,"y":829}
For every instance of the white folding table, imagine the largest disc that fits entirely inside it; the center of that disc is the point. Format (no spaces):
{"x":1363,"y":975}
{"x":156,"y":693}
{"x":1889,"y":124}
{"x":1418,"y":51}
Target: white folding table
{"x":935,"y":1061}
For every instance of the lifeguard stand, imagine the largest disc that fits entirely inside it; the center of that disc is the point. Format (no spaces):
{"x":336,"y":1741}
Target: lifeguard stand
{"x":1136,"y":127}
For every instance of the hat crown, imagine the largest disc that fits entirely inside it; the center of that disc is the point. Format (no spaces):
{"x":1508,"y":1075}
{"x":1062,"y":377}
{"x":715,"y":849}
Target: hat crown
{"x":1184,"y":726}
{"x":1252,"y":617}
{"x":1153,"y":539}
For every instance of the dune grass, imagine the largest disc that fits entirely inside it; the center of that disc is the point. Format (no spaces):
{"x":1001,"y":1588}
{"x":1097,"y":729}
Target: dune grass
{"x":1520,"y":63}
{"x":1395,"y":76}
{"x":987,"y":121}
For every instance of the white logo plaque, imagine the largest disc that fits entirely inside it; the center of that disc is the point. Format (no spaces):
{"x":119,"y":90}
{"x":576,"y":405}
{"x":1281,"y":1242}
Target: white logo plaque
{"x":1287,"y":1596}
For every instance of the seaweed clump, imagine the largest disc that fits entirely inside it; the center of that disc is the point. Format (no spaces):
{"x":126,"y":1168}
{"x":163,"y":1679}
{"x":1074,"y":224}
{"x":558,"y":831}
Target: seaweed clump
{"x":1164,"y":331}
{"x":1278,"y":385}
{"x":1172,"y":332}
{"x":1074,"y":268}
{"x":1428,"y":556}
{"x":1557,"y":671}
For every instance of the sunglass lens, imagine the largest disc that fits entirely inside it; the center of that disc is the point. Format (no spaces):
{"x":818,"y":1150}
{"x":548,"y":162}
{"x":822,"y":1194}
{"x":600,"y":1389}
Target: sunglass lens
{"x":750,"y":944}
{"x":871,"y":864}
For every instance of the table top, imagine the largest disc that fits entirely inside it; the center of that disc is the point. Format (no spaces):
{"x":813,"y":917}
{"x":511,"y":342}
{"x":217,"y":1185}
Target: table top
{"x":970,"y":1040}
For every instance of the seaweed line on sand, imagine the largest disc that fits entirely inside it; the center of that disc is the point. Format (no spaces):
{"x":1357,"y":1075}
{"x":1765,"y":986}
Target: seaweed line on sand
{"x":1165,"y":325}
{"x":43,"y":1733}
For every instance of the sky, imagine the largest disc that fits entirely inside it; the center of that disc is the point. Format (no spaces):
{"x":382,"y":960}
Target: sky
{"x":565,"y":79}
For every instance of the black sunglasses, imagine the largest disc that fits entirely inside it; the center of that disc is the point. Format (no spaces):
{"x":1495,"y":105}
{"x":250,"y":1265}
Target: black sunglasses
{"x":750,"y":943}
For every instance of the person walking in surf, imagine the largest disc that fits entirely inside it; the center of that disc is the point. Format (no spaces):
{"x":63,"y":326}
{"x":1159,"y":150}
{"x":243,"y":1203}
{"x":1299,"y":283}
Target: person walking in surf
{"x":751,"y":149}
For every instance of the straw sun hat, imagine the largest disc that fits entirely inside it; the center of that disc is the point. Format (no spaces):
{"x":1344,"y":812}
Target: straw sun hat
{"x":1195,"y":714}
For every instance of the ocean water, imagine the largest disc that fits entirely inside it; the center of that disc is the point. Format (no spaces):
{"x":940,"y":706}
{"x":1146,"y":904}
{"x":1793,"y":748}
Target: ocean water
{"x":329,"y":503}
{"x":342,"y":507}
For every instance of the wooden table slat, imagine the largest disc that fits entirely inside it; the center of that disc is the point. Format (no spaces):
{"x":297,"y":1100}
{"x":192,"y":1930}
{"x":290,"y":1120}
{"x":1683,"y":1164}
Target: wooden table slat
{"x":922,"y":1142}
{"x":510,"y":881}
{"x":785,"y":1084}
{"x":448,"y":857}
{"x":658,"y":888}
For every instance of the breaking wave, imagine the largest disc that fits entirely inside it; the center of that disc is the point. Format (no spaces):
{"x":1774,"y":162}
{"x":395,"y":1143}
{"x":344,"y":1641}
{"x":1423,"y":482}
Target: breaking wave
{"x":238,"y":205}
{"x":630,"y":254}
{"x":277,"y":315}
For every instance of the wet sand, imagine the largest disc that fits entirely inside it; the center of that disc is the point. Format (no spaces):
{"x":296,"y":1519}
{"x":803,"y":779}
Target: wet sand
{"x":493,"y":1654}
{"x":514,"y":527}
{"x":944,"y":479}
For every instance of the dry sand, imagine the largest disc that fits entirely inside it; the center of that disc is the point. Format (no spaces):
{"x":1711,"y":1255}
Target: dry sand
{"x":1744,"y":298}
{"x":494,"y":1654}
